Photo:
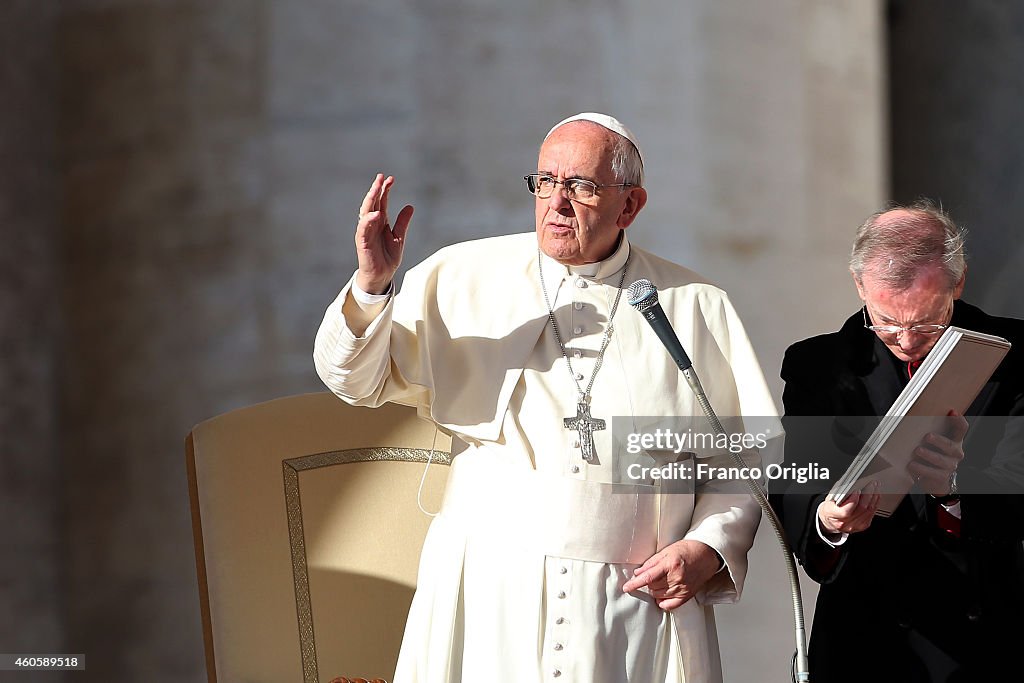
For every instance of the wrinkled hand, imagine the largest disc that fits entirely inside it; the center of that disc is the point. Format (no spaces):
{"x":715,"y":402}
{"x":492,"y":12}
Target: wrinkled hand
{"x":853,"y":514}
{"x":379,"y":246}
{"x":675,"y":574}
{"x":938,"y":456}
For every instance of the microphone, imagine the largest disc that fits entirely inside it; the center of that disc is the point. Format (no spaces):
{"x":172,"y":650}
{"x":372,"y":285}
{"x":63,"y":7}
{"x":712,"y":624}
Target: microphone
{"x":643,"y":296}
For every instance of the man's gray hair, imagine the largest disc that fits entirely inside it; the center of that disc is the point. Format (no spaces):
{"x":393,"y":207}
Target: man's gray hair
{"x":894,"y":244}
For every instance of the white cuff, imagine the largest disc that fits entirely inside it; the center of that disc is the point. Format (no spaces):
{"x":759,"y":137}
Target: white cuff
{"x":821,"y":532}
{"x":371,"y":299}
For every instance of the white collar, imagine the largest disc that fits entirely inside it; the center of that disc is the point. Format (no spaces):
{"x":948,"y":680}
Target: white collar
{"x":593,"y":271}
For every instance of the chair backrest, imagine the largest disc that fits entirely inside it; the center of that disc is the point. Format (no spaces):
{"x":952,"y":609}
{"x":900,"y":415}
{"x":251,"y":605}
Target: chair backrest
{"x":308,"y":534}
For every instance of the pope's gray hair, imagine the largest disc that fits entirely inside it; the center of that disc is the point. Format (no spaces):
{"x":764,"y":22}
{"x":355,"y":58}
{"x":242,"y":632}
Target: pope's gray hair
{"x":896,"y":243}
{"x":627,"y":165}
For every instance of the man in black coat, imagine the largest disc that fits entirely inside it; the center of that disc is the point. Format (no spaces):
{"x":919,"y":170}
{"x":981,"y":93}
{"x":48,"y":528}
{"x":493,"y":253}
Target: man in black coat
{"x":935,"y":592}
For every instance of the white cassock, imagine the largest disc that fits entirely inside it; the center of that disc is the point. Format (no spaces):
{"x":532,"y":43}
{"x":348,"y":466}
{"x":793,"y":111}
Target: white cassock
{"x":521,"y":574}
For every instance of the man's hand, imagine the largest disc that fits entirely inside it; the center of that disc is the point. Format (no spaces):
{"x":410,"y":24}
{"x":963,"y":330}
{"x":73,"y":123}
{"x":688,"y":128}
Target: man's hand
{"x":938,"y":456}
{"x":853,"y":514}
{"x":675,"y":574}
{"x":379,"y":246}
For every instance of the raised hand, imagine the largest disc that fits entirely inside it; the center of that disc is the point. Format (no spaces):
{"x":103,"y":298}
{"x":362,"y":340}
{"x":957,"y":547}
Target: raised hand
{"x":379,"y":245}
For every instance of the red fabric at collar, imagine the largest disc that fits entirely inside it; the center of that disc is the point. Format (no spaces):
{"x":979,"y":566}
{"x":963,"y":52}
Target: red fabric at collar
{"x":912,"y":367}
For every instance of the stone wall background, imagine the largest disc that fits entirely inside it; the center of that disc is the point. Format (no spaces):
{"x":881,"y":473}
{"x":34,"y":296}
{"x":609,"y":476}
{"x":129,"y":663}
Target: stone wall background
{"x":957,"y":101}
{"x":180,"y":181}
{"x":32,"y":548}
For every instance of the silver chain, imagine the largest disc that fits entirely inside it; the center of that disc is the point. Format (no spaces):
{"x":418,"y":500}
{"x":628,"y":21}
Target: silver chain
{"x":605,"y":338}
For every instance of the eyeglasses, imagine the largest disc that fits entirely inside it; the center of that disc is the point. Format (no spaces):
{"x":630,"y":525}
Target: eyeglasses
{"x":896,"y":329}
{"x":543,"y":186}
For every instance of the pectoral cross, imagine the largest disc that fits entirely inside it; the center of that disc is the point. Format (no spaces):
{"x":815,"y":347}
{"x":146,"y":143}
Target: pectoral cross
{"x":586,"y":426}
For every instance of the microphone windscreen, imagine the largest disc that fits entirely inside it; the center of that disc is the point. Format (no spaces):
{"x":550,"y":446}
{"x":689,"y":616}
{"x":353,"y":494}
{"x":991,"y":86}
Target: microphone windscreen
{"x":642,"y":294}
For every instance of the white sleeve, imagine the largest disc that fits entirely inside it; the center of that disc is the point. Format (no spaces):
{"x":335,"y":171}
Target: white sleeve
{"x":356,"y":368}
{"x":725,"y":519}
{"x":371,"y":299}
{"x":821,"y":532}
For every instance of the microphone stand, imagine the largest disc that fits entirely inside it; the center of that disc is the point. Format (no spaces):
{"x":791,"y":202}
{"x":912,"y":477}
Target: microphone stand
{"x":802,"y":673}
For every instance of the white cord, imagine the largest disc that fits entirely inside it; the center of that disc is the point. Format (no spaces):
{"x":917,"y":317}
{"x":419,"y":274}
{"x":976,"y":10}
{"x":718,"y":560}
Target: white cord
{"x":423,"y":479}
